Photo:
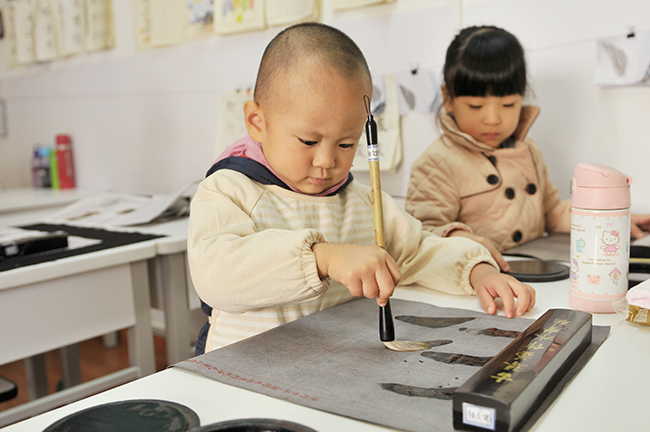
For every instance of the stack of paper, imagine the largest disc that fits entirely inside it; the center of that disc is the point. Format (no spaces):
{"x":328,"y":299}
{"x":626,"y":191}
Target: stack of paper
{"x":113,"y":209}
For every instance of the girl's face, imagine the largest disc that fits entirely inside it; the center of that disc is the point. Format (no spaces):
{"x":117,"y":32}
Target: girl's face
{"x":489,"y":119}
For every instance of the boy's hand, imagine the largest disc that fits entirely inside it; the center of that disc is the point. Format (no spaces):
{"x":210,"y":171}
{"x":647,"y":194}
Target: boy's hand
{"x":503,"y":264}
{"x":367,"y":271}
{"x":490,"y":284}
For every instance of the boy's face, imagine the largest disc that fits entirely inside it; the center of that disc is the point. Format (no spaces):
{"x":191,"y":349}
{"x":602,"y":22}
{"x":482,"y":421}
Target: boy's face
{"x":310,"y":126}
{"x":490,"y":119}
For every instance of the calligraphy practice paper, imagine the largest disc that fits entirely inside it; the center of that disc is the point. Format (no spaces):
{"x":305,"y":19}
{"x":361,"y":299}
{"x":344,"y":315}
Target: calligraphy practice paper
{"x":334,"y":361}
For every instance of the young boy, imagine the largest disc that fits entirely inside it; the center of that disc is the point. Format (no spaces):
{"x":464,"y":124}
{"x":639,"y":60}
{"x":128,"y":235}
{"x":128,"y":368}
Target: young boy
{"x":279,"y":229}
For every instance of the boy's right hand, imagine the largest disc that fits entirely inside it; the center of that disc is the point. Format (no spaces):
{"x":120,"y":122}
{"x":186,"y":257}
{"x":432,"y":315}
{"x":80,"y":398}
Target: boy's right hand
{"x":367,"y":271}
{"x":503,"y":264}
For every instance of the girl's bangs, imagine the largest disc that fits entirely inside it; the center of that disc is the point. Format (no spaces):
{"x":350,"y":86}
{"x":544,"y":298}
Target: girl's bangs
{"x":468,"y":82}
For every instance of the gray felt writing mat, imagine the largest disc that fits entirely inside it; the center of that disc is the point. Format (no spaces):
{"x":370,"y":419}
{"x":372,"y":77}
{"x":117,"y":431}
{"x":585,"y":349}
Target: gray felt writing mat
{"x":333,"y":361}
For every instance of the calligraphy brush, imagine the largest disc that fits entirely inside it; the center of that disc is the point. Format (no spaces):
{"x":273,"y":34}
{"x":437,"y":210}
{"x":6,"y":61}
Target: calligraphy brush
{"x":386,"y":325}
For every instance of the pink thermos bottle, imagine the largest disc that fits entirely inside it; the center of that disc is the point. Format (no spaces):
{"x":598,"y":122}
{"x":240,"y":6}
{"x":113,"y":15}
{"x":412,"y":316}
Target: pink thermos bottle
{"x":600,"y":237}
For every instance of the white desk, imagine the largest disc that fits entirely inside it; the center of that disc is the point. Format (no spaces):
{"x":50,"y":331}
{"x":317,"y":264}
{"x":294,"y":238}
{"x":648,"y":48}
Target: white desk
{"x":607,"y":395}
{"x":19,"y":207}
{"x":26,"y":205}
{"x":59,"y":303}
{"x":27,"y":199}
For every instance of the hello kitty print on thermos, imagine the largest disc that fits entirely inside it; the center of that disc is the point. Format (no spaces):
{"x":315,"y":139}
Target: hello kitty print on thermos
{"x":600,"y":237}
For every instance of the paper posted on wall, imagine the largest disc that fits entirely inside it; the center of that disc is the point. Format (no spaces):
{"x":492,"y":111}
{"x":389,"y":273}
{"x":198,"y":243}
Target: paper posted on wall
{"x":348,"y":4}
{"x":115,"y":209}
{"x":230,"y":124}
{"x":417,"y":91}
{"x":70,"y":22}
{"x":283,"y":12}
{"x":45,"y":45}
{"x":169,"y":22}
{"x":623,"y":60}
{"x":232,"y":16}
{"x":388,"y":129}
{"x":19,"y":23}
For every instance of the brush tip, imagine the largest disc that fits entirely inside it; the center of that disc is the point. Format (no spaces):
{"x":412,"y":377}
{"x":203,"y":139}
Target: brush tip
{"x":408,"y":345}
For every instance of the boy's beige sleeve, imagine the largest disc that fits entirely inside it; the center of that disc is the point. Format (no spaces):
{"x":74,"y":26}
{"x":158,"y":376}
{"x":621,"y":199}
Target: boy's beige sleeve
{"x":426,"y":259}
{"x":431,"y":197}
{"x":557,"y":212}
{"x":234,"y":267}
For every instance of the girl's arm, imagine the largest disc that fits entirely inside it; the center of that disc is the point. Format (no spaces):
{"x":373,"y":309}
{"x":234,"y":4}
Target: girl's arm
{"x":454,"y":265}
{"x":442,"y":264}
{"x":640,"y":225}
{"x":432,"y":197}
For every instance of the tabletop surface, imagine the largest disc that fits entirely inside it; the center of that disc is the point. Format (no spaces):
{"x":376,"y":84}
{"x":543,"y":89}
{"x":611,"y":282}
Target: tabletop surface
{"x":608,"y":394}
{"x":71,"y":265}
{"x":29,"y":205}
{"x":22,"y":199}
{"x":78,"y":264}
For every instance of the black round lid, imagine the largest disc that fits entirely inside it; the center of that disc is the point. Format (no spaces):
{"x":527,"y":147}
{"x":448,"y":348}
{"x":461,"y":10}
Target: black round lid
{"x":535,"y":270}
{"x":254,"y":425}
{"x":140,"y":415}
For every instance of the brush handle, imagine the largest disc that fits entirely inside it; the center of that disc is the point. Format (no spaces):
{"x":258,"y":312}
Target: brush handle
{"x":377,"y":205}
{"x":386,"y":325}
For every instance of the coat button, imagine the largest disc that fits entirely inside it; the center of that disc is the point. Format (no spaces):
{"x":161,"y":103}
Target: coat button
{"x":510,"y":193}
{"x":517,"y":236}
{"x":493,"y":159}
{"x":492,"y":179}
{"x":531,"y":188}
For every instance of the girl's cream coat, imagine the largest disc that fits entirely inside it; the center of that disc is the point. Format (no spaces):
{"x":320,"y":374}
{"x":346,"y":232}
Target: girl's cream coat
{"x":502,"y":194}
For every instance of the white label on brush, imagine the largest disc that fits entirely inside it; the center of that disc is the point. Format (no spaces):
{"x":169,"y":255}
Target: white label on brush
{"x":373,"y":153}
{"x":482,"y":417}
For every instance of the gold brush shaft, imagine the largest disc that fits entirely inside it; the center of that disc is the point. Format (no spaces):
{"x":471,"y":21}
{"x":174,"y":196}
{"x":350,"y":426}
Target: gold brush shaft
{"x":377,"y":209}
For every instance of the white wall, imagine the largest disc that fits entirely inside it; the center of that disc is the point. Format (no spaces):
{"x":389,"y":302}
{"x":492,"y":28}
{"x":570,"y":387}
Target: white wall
{"x":145,"y":121}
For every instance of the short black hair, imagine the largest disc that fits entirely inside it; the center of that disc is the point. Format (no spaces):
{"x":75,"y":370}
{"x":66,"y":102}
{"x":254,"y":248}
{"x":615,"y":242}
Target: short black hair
{"x":484,"y":61}
{"x":292,"y":45}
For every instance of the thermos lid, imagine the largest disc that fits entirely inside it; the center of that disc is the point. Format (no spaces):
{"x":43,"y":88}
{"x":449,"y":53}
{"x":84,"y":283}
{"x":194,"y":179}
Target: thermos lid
{"x":599,"y":187}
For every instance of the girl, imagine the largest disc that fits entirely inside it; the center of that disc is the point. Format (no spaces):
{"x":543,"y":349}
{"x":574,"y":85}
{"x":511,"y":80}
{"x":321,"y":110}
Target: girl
{"x":484,"y":178}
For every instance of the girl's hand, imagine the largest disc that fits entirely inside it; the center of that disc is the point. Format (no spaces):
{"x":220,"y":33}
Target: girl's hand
{"x":489,"y":284}
{"x":367,"y":271}
{"x":640,"y":225}
{"x":503,"y":264}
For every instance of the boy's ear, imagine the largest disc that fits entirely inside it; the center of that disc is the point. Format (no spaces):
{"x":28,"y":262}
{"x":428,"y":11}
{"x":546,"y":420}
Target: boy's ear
{"x":446,"y":100}
{"x":254,"y":119}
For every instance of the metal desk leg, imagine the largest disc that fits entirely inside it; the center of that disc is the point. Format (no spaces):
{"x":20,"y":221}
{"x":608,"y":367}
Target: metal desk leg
{"x":141,"y":351}
{"x":70,"y":365}
{"x":111,"y":340}
{"x":36,"y":371}
{"x":175,"y":306}
{"x":36,"y":376}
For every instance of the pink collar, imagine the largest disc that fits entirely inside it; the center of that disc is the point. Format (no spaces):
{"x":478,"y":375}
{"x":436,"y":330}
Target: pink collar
{"x":246,"y":147}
